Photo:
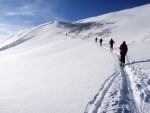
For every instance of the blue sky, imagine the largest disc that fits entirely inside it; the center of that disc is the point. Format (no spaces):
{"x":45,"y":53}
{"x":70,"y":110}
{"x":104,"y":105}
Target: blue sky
{"x":21,"y":14}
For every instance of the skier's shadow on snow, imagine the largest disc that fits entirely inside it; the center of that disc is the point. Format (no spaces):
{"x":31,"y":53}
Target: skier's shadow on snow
{"x":136,"y":62}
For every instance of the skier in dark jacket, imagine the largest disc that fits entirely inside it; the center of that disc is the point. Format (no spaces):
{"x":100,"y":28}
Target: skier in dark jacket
{"x":123,"y":51}
{"x":96,"y":39}
{"x":101,"y":40}
{"x":111,"y":42}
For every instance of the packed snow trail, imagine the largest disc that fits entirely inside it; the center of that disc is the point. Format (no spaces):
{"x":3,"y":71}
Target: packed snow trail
{"x":115,"y":96}
{"x":127,"y":94}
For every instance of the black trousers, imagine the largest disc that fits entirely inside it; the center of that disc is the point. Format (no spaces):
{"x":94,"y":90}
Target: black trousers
{"x":122,"y":57}
{"x":111,"y":46}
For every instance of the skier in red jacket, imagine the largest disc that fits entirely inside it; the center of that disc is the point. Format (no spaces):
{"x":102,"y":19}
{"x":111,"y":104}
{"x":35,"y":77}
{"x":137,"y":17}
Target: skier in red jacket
{"x":123,"y":51}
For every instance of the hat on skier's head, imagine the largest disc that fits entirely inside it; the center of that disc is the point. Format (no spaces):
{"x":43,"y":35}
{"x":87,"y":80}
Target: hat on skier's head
{"x":124,"y":42}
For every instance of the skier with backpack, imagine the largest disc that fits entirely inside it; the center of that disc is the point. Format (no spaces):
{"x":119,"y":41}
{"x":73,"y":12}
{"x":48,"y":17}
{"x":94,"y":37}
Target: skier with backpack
{"x":101,"y":40}
{"x":111,"y":42}
{"x":123,"y":51}
{"x":96,"y":39}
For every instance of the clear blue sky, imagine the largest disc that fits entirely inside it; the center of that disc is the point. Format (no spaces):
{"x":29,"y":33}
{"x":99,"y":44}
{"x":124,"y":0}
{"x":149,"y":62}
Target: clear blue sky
{"x":20,"y":14}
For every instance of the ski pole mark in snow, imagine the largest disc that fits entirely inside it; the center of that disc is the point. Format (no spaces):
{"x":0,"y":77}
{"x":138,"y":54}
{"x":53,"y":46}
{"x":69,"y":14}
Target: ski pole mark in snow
{"x":140,"y":86}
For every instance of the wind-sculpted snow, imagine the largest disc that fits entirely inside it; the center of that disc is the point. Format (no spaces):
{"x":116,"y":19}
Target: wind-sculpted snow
{"x":83,"y":27}
{"x":104,"y":33}
{"x":15,"y":43}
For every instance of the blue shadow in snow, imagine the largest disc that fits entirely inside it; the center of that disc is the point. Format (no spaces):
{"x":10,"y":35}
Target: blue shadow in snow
{"x":136,"y":62}
{"x":15,"y":43}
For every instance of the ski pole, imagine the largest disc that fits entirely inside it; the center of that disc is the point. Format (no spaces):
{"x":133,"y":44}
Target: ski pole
{"x":127,"y":58}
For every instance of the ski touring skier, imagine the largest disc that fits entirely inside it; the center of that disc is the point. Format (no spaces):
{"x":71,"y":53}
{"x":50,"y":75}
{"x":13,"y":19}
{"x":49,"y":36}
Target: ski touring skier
{"x":96,"y":39}
{"x":123,"y":51}
{"x":111,"y":42}
{"x":101,"y":40}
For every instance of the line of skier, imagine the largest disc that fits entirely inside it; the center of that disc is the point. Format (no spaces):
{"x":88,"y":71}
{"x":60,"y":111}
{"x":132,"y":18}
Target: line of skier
{"x":123,"y":49}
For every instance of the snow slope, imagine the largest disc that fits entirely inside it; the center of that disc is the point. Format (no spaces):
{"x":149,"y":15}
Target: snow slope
{"x":44,"y":71}
{"x":50,"y":72}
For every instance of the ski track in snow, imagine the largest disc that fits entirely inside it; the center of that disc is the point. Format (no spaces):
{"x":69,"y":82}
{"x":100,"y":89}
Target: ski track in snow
{"x":115,"y":95}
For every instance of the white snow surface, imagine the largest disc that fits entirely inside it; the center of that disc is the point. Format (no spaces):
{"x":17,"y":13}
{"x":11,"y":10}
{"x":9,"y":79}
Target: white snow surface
{"x":43,"y":70}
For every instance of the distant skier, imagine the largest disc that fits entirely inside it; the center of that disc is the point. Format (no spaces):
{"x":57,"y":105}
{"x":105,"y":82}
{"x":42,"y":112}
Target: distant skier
{"x":101,"y":40}
{"x":123,"y":51}
{"x":66,"y":34}
{"x":96,"y":39}
{"x":111,"y":42}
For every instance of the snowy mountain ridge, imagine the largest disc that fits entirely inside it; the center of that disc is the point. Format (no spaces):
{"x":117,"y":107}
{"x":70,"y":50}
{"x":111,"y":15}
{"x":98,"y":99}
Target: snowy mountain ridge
{"x":57,"y":67}
{"x":128,"y":20}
